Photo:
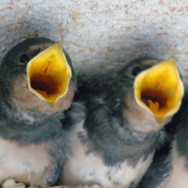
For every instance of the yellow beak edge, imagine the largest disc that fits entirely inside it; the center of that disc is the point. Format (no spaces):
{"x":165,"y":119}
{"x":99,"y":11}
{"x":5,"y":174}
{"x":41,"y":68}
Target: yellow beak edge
{"x":49,"y":74}
{"x":159,"y":89}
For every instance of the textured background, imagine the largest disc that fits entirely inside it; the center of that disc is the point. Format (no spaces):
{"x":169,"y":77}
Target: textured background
{"x":101,"y":34}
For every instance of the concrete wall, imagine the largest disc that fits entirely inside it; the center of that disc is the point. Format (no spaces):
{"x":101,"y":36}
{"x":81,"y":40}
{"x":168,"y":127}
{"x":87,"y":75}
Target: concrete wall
{"x":101,"y":34}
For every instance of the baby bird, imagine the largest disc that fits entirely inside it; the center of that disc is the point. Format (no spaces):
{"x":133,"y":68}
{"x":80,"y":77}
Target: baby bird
{"x":117,"y":120}
{"x":33,"y":142}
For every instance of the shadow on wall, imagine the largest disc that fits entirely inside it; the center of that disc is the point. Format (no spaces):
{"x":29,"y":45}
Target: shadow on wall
{"x":28,"y":26}
{"x":129,"y":47}
{"x":113,"y":52}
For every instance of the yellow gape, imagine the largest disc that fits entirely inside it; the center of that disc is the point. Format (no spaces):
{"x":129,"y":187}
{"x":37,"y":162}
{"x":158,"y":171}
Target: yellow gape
{"x":49,"y":74}
{"x":159,"y":89}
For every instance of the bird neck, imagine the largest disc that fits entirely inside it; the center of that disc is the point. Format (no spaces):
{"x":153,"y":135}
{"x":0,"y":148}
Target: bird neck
{"x":14,"y":126}
{"x":111,"y":136}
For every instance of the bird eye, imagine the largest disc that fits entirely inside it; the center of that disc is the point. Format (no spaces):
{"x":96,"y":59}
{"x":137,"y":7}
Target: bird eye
{"x":136,"y":71}
{"x":24,"y":59}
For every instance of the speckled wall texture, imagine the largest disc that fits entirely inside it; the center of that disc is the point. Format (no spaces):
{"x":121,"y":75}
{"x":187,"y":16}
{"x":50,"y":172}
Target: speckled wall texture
{"x":101,"y":34}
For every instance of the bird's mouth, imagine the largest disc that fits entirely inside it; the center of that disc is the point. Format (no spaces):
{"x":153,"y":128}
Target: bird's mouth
{"x":159,"y":89}
{"x":49,"y":74}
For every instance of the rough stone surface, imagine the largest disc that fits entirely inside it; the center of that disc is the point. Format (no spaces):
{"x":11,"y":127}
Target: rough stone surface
{"x":100,"y":35}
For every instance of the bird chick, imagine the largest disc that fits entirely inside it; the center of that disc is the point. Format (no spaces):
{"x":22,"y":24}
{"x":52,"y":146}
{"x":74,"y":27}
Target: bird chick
{"x":117,"y":121}
{"x":33,"y":142}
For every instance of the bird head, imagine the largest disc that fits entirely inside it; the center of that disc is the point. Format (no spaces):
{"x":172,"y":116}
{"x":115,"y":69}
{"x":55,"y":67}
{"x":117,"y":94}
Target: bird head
{"x":156,"y":94}
{"x":37,"y":77}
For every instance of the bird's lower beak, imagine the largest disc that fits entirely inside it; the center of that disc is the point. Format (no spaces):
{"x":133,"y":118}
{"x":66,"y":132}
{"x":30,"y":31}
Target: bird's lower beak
{"x":159,"y":89}
{"x":49,"y":74}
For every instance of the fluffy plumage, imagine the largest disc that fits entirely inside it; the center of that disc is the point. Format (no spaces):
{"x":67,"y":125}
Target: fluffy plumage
{"x":113,"y":139}
{"x":33,"y":141}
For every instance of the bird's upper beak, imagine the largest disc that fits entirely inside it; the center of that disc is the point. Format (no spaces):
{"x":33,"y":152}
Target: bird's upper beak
{"x":159,"y":89}
{"x":49,"y":74}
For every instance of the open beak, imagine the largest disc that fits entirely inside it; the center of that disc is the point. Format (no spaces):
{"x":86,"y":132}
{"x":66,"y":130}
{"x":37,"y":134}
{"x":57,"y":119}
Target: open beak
{"x":159,"y":89}
{"x":49,"y":74}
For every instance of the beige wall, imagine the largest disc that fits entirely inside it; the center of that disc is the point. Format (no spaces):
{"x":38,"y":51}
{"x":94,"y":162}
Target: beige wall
{"x":101,"y":33}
